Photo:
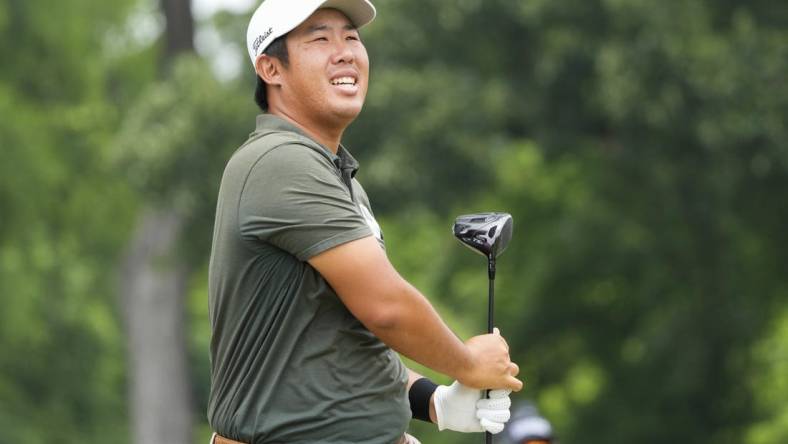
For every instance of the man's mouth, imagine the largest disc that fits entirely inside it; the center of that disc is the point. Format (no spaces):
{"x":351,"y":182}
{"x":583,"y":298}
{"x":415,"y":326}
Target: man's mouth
{"x":344,"y":81}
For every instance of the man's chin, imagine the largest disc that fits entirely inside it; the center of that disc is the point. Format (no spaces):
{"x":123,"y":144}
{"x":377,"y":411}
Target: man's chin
{"x":348,"y":112}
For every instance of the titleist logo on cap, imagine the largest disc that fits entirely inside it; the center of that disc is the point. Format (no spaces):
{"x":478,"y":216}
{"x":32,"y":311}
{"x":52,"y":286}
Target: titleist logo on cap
{"x":261,"y":38}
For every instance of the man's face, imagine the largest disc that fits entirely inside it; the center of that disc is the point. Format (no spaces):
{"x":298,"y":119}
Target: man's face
{"x":326,"y":79}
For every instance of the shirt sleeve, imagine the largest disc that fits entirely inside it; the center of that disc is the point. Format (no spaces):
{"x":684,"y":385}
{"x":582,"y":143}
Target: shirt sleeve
{"x":295,"y":200}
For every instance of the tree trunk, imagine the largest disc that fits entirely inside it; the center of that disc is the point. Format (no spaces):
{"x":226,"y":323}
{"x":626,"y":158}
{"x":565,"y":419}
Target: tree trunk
{"x":179,"y":27}
{"x":153,"y":292}
{"x":153,"y":285}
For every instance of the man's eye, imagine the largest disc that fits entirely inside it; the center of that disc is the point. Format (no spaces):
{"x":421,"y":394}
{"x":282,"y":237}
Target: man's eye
{"x":352,"y":37}
{"x":320,"y":39}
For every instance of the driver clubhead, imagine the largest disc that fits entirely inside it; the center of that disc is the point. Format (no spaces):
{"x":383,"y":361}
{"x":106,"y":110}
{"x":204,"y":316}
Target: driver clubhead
{"x":486,"y":233}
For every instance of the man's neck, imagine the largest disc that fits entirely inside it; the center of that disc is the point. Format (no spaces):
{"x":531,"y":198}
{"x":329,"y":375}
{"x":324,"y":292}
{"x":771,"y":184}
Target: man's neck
{"x":327,"y":136}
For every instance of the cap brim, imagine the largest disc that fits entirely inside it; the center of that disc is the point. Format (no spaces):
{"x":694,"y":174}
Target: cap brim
{"x":360,"y":12}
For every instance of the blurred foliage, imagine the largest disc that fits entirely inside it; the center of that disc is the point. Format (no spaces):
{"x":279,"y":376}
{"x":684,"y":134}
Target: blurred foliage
{"x":770,"y":384}
{"x":174,"y":144}
{"x":640,"y":146}
{"x":63,"y":218}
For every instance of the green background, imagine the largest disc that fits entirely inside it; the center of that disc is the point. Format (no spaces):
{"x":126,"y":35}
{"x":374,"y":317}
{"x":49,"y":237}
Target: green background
{"x":641,"y":147}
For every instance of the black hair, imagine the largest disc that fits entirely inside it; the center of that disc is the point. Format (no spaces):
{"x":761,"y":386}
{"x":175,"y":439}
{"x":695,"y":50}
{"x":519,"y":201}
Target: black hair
{"x":277,"y":49}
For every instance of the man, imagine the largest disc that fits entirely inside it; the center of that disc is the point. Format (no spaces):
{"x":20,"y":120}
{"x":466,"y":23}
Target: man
{"x":529,"y":427}
{"x":305,"y":307}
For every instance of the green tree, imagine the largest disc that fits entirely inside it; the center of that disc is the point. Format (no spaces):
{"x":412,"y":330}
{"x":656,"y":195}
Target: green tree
{"x":647,"y":255}
{"x":639,"y":145}
{"x":62,"y":218}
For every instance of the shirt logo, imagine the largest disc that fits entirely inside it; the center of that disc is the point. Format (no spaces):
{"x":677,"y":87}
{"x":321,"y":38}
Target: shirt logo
{"x":371,"y":222}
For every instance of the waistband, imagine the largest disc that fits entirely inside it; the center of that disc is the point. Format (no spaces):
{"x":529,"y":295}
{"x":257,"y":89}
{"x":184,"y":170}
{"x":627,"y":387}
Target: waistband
{"x":219,"y":439}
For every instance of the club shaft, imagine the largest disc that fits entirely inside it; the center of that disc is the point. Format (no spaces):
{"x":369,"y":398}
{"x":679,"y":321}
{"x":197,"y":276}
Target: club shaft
{"x":490,"y":318}
{"x":490,"y":324}
{"x":491,"y":307}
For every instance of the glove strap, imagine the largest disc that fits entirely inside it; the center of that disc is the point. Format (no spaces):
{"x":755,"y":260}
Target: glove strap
{"x":419,"y":397}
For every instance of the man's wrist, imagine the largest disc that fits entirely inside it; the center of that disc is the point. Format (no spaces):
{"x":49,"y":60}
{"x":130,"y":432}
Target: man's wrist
{"x":466,"y":365}
{"x":433,"y":413}
{"x":421,"y":397}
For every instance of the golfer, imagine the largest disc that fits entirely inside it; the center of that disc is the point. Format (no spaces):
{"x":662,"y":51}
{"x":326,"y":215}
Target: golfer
{"x":307,"y":313}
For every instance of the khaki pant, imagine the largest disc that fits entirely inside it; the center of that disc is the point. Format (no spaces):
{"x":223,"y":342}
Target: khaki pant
{"x":408,"y":439}
{"x":218,"y":439}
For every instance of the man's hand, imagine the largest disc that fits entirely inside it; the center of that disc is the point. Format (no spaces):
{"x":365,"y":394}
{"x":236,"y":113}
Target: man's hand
{"x":463,"y":409}
{"x":492,"y":367}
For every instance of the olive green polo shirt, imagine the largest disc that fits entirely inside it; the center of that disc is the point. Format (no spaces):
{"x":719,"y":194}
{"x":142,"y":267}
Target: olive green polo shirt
{"x":289,"y":362}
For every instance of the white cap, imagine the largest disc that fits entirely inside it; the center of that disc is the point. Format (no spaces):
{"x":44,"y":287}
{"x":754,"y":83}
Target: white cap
{"x":275,"y":18}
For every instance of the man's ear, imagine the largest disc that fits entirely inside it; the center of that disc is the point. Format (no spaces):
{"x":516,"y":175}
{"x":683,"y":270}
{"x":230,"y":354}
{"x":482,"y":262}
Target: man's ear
{"x":269,"y":69}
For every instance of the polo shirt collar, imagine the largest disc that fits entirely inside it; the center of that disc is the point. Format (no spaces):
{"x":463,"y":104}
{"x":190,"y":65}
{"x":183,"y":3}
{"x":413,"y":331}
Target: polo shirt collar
{"x":269,"y":123}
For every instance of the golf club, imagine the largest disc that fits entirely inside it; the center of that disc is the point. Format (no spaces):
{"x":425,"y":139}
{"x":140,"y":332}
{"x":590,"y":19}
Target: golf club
{"x":487,"y":234}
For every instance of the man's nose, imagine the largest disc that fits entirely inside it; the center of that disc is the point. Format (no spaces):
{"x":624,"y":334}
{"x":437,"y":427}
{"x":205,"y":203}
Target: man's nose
{"x":343,"y":53}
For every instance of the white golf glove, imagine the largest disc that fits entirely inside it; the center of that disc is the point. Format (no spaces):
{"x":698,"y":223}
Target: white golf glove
{"x":464,"y":409}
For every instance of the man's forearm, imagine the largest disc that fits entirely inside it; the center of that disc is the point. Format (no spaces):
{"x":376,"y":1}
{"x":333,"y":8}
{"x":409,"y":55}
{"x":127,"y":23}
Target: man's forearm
{"x":413,"y":328}
{"x":370,"y":287}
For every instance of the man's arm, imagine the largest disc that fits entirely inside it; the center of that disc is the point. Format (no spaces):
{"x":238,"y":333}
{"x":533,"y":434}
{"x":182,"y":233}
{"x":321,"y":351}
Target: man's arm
{"x":392,"y":309}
